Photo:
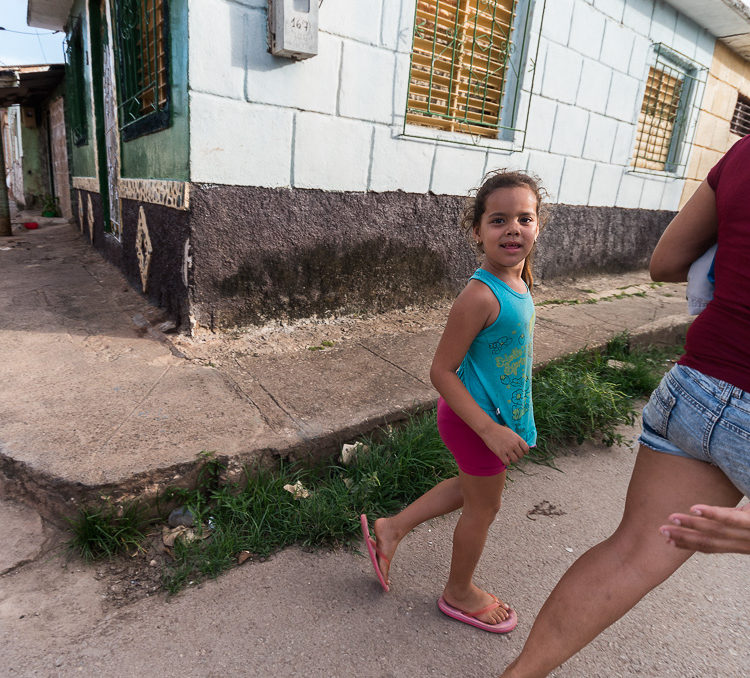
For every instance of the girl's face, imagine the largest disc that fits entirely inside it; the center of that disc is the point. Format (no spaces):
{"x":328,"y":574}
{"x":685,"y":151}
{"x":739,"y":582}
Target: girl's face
{"x":508,"y":229}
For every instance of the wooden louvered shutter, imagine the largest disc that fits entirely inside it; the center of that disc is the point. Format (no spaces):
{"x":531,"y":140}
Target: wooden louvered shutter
{"x":656,"y":122}
{"x":459,"y":60}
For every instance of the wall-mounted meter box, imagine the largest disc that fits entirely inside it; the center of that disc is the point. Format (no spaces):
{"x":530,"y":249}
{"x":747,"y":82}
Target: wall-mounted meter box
{"x":293,"y":28}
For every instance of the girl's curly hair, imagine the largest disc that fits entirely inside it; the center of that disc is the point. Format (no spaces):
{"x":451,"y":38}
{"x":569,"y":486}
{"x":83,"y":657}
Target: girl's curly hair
{"x":477,"y":203}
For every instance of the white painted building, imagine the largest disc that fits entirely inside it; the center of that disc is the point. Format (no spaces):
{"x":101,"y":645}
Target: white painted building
{"x":299,"y":172}
{"x":591,"y":69}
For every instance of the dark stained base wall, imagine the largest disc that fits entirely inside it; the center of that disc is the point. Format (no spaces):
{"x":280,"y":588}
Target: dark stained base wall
{"x":579,"y":240}
{"x":168,"y":229}
{"x":261,"y":254}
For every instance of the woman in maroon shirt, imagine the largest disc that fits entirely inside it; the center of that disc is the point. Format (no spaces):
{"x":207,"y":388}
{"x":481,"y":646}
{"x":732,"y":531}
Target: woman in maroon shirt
{"x":695,"y":442}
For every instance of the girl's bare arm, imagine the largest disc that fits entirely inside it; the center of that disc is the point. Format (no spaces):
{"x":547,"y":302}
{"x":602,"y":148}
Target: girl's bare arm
{"x":469,"y":315}
{"x":689,"y":234}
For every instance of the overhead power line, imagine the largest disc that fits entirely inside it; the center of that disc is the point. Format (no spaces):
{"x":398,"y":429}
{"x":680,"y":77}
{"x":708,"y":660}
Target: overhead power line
{"x":37,"y":33}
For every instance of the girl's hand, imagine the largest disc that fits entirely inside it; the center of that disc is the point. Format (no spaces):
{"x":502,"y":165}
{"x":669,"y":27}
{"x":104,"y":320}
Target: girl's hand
{"x":710,"y":529}
{"x":506,"y":444}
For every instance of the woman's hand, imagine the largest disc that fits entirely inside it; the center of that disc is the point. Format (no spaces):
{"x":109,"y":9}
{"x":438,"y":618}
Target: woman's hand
{"x":506,"y":444}
{"x":710,"y":529}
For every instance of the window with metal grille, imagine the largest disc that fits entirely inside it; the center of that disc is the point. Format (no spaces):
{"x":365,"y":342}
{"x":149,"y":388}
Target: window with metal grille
{"x":142,"y":66}
{"x":741,"y":119}
{"x":75,"y":100}
{"x":460,"y":64}
{"x":668,"y":102}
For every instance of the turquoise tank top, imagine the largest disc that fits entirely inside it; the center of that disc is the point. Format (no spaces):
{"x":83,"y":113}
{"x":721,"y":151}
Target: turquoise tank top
{"x":497,"y":367}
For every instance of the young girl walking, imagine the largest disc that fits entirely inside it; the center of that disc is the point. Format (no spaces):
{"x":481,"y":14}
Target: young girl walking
{"x":482,"y":371}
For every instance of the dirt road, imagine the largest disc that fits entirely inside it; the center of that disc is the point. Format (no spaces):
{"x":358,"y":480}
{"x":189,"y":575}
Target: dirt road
{"x":323,"y":614}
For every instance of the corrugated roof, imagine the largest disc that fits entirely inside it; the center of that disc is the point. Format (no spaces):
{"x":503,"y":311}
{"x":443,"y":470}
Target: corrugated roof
{"x":29,"y":85}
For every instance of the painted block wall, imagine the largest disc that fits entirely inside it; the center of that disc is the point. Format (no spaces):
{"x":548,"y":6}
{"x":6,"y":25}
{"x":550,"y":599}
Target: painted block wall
{"x":594,"y":57}
{"x":165,"y":154}
{"x":10,"y":128}
{"x":33,"y":162}
{"x":82,"y":158}
{"x":729,"y":75}
{"x":335,"y":121}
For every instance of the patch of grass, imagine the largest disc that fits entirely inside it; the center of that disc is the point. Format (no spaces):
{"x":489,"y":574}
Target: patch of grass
{"x":562,"y":302}
{"x":107,"y":530}
{"x":581,"y":396}
{"x":595,"y":300}
{"x":395,"y":467}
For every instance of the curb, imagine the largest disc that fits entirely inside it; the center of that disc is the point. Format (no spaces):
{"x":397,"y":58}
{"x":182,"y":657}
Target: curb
{"x":56,"y":498}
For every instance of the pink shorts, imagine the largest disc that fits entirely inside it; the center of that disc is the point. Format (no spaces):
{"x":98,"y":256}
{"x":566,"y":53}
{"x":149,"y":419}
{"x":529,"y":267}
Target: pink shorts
{"x":468,"y":449}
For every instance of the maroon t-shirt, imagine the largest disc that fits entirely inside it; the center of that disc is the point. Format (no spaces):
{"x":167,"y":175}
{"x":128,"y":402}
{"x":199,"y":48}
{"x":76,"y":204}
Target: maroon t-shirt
{"x":718,"y":342}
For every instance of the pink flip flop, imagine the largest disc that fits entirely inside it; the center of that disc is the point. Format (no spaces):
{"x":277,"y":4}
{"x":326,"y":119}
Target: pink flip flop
{"x":471,"y":617}
{"x":372,"y":549}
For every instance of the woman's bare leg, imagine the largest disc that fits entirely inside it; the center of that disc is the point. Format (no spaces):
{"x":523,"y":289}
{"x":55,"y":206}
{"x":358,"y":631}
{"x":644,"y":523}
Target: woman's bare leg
{"x":609,"y":579}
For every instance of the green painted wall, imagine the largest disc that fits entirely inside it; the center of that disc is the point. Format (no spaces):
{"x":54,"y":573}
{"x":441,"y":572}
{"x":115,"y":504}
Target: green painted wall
{"x":166,"y":154}
{"x":82,"y":162}
{"x":160,"y":155}
{"x":35,"y":185}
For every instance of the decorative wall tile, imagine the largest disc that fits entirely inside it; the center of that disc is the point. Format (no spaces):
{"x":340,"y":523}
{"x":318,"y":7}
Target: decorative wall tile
{"x":143,"y":247}
{"x":80,"y":211}
{"x":90,"y":184}
{"x":91,"y":218}
{"x":175,"y":194}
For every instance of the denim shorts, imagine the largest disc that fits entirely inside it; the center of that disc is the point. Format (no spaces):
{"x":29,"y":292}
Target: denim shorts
{"x":696,"y":416}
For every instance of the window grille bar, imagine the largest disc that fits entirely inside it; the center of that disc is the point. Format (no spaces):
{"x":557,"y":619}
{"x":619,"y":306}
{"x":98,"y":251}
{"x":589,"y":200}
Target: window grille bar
{"x":142,"y":59}
{"x":668,"y":100}
{"x":740,"y":123}
{"x":460,"y":53}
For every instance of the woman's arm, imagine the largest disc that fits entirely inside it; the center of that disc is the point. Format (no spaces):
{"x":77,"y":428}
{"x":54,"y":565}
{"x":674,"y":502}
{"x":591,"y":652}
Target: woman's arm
{"x":688,"y":236}
{"x":468,"y":317}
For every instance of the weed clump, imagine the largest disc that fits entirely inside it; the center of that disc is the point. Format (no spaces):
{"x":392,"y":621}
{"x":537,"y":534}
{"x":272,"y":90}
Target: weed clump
{"x":108,"y":530}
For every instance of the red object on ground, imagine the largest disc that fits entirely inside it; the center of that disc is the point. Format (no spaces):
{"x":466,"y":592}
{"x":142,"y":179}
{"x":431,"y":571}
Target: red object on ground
{"x":31,"y":225}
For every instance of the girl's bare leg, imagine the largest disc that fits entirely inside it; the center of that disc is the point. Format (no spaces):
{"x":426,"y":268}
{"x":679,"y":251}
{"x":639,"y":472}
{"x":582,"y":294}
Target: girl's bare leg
{"x":481,"y":504}
{"x":444,"y":498}
{"x":609,"y":579}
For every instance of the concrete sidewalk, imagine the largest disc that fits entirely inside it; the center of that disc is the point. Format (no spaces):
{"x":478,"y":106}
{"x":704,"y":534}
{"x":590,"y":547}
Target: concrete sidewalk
{"x":322,"y":613}
{"x":97,"y":400}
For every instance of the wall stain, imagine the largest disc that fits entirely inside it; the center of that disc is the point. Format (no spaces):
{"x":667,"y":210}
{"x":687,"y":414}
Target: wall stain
{"x":370,"y":276}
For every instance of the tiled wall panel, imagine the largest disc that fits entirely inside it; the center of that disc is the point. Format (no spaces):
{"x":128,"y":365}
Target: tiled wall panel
{"x":335,"y":121}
